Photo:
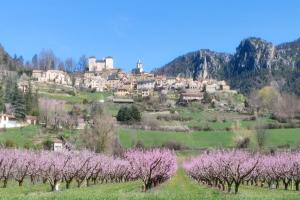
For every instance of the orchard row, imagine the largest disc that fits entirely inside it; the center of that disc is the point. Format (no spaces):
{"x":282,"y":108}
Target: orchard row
{"x":152,"y":167}
{"x":224,"y":169}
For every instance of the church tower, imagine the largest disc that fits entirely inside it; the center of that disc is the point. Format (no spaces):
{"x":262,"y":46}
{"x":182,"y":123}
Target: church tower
{"x":140,"y":66}
{"x":204,"y":69}
{"x":204,"y":72}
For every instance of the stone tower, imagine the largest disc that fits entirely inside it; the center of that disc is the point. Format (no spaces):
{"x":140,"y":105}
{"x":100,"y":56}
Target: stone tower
{"x":204,"y":69}
{"x":140,"y":66}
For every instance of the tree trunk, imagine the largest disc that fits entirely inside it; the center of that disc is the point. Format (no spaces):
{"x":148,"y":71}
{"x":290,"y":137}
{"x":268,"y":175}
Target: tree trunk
{"x":68,"y":183}
{"x":223,"y":186}
{"x":147,"y":186}
{"x":229,"y":187}
{"x":297,"y":185}
{"x":20,"y":183}
{"x":44,"y":180}
{"x":32,"y":180}
{"x":236,"y":187}
{"x":5,"y":182}
{"x":88,"y":182}
{"x":286,"y":184}
{"x":52,"y":187}
{"x":269,"y":184}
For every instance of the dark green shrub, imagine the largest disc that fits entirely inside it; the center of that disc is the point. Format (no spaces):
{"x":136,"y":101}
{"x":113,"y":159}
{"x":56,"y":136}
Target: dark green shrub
{"x":47,"y":144}
{"x":129,"y":114}
{"x":10,"y":144}
{"x":172,"y":145}
{"x":85,"y":101}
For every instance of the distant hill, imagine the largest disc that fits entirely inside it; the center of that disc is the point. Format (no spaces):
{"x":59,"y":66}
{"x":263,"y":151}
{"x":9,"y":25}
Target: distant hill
{"x":255,"y":63}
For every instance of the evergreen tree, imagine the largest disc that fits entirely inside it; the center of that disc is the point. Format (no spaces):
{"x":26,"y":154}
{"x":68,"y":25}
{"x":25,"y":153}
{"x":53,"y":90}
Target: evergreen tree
{"x":29,"y":99}
{"x":129,"y":114}
{"x":8,"y":91}
{"x":1,"y":98}
{"x":35,"y":100}
{"x":18,"y":103}
{"x":124,"y":114}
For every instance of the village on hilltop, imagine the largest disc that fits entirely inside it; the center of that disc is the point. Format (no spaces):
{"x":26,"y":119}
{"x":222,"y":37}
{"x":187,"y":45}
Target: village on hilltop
{"x":102,"y":75}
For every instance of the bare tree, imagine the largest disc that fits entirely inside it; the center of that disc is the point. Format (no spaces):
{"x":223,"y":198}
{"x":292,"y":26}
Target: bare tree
{"x":99,"y":134}
{"x":70,"y":65}
{"x":52,"y":113}
{"x":82,"y":64}
{"x":47,"y":60}
{"x":286,"y":107}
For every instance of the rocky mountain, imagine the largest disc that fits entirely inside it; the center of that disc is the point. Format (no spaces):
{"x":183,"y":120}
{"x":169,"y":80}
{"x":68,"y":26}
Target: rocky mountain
{"x":191,"y":64}
{"x":255,"y":63}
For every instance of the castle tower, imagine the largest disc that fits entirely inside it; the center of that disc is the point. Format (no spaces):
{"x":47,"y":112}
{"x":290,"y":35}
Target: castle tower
{"x":92,"y":63}
{"x":109,"y":62}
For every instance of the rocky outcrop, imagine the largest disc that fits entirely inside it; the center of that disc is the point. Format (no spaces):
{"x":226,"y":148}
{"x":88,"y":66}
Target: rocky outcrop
{"x":252,"y":54}
{"x":255,"y":63}
{"x":192,"y":64}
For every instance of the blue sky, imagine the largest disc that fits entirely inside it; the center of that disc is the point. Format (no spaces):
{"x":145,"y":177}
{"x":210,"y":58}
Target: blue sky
{"x":156,"y":31}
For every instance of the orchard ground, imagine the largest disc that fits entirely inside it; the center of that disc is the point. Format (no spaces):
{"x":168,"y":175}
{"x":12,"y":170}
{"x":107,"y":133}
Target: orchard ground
{"x":180,"y":187}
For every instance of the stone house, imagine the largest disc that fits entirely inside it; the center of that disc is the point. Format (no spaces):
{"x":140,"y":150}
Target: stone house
{"x":8,"y":121}
{"x":39,"y":75}
{"x":121,"y":92}
{"x":32,"y":120}
{"x":146,"y":84}
{"x":186,"y":97}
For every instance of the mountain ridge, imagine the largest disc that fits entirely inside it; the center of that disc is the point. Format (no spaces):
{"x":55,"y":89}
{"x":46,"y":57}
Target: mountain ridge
{"x":253,"y":55}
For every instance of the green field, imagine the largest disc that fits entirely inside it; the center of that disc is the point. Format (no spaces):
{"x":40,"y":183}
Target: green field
{"x":19,"y":136}
{"x":203,"y":139}
{"x":78,"y":98}
{"x":189,"y":140}
{"x":180,"y":187}
{"x":206,"y":139}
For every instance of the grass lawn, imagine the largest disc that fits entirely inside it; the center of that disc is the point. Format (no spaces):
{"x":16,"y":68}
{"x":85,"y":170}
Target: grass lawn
{"x":219,"y":120}
{"x":193,"y":140}
{"x":20,"y":136}
{"x":280,"y":137}
{"x":205,"y":139}
{"x":180,"y":187}
{"x":78,"y":98}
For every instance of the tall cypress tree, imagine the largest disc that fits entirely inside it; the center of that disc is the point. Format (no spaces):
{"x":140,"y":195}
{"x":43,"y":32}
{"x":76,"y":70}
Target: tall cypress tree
{"x":29,"y":99}
{"x":8,"y":91}
{"x":35,"y":100}
{"x":1,"y":98}
{"x":18,"y":103}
